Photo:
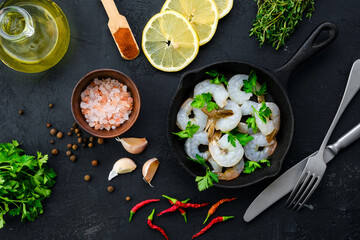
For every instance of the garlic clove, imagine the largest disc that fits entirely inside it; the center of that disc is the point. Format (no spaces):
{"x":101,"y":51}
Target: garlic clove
{"x":134,"y":145}
{"x":149,"y":169}
{"x":121,"y":166}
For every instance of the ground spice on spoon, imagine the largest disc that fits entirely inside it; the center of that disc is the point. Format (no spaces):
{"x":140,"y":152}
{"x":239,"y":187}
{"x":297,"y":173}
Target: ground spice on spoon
{"x":126,"y":43}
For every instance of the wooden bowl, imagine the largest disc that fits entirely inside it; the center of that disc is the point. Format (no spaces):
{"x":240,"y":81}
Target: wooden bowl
{"x":103,"y":74}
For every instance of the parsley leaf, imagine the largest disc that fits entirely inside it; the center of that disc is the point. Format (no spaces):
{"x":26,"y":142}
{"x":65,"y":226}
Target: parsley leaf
{"x":251,"y":122}
{"x":199,"y":159}
{"x":251,"y":166}
{"x":218,"y":77}
{"x":206,"y":181}
{"x":263,"y":113}
{"x":25,"y":181}
{"x":190,"y":130}
{"x":234,"y":135}
{"x":202,"y":99}
{"x":250,"y":85}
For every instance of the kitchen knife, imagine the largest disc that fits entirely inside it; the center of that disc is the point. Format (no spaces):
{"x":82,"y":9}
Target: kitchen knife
{"x":287,"y":181}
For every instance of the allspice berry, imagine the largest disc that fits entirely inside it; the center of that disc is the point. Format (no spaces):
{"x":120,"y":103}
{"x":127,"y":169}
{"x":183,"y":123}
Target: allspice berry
{"x":53,"y":131}
{"x":79,"y":140}
{"x":68,"y":153}
{"x":69,"y":146}
{"x":74,"y":147}
{"x":128,"y":198}
{"x":59,"y":135}
{"x":51,"y":105}
{"x":54,"y":151}
{"x":91,"y":139}
{"x":110,"y":188}
{"x":78,"y":134}
{"x":100,"y":141}
{"x":73,"y":158}
{"x":90,"y":145}
{"x":21,"y":112}
{"x":94,"y":163}
{"x":77,"y":130}
{"x":48,"y":125}
{"x":87,"y":178}
{"x":70,"y":133}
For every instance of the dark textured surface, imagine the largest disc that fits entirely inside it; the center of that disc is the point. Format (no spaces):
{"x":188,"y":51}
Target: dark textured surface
{"x":85,"y":210}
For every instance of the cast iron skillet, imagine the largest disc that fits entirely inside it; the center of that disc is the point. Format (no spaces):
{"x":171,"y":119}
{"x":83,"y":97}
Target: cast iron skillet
{"x":276,"y":81}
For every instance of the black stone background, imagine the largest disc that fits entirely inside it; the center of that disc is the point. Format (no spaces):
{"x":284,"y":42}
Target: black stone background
{"x":85,"y":210}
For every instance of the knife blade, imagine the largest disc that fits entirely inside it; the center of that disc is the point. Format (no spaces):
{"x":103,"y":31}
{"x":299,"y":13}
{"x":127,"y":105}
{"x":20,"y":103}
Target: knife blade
{"x":287,"y":181}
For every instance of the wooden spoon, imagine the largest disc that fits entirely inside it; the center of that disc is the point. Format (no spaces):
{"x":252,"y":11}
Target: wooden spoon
{"x":121,"y":32}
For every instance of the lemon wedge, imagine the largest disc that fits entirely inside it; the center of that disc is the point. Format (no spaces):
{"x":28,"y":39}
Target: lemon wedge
{"x":169,"y":41}
{"x":224,"y":7}
{"x":202,"y":14}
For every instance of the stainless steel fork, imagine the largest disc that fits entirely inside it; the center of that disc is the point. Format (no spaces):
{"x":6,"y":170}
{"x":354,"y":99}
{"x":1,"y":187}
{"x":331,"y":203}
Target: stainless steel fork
{"x":315,"y":167}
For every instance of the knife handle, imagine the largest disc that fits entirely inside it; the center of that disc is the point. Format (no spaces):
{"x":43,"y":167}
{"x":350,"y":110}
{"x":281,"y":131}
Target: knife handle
{"x":346,"y":140}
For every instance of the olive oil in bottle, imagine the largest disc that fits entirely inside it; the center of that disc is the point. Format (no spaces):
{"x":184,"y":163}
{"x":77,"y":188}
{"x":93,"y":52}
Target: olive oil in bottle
{"x":34,"y":34}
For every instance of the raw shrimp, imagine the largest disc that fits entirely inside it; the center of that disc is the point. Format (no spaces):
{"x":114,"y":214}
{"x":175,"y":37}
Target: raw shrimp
{"x":213,"y":116}
{"x":192,"y":145}
{"x":243,"y":128}
{"x":234,"y":89}
{"x":182,"y":119}
{"x":229,"y":123}
{"x":273,"y":123}
{"x":233,"y":172}
{"x":225,"y":154}
{"x":252,"y":151}
{"x":216,"y":167}
{"x":246,"y":108}
{"x":218,"y":92}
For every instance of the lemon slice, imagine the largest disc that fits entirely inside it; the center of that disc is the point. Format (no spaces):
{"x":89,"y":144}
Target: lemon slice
{"x":202,"y":14}
{"x":169,"y":41}
{"x":224,"y":7}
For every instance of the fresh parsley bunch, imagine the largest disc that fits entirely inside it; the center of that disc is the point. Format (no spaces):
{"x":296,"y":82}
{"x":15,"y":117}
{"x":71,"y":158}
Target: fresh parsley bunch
{"x":25,"y":181}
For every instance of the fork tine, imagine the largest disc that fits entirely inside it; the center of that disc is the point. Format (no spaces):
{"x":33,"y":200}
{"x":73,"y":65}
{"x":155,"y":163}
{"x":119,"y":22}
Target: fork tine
{"x":300,"y":191}
{"x":310,"y":193}
{"x":294,"y":191}
{"x":310,"y":185}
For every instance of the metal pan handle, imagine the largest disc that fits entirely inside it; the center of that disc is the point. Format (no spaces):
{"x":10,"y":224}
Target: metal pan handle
{"x":308,"y":49}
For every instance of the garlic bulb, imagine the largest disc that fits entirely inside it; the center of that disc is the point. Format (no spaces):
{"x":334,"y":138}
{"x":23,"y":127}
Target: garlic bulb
{"x":133,"y":145}
{"x":123,"y":165}
{"x":149,"y":169}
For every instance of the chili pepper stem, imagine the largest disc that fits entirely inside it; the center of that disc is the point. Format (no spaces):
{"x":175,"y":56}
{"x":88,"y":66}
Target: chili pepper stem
{"x":131,"y":215}
{"x":185,"y":218}
{"x":207,"y":217}
{"x":227,"y":218}
{"x":151,"y":216}
{"x":173,"y":200}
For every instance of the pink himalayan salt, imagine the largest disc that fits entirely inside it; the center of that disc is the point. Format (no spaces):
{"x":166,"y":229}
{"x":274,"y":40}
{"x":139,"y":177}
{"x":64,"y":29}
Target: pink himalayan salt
{"x":106,"y":104}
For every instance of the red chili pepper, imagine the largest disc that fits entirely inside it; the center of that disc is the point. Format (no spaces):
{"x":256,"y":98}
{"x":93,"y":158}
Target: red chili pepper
{"x":181,"y":210}
{"x":139,"y":205}
{"x":173,"y":208}
{"x":215,"y":220}
{"x":215,"y":207}
{"x":185,"y":205}
{"x":151,"y":225}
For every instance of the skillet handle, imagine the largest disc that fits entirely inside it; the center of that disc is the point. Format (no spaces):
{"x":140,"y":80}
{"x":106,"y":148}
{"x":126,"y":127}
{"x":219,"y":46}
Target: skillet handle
{"x":308,"y":49}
